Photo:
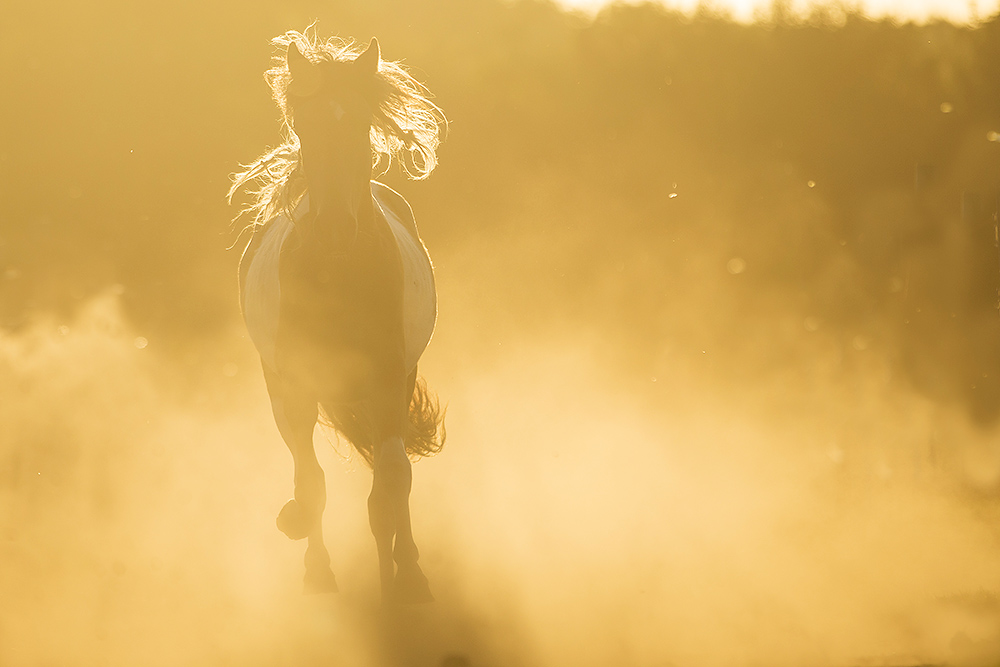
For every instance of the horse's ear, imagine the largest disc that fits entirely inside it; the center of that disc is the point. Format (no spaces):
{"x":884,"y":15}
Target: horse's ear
{"x":306,"y":77}
{"x":368,"y":61}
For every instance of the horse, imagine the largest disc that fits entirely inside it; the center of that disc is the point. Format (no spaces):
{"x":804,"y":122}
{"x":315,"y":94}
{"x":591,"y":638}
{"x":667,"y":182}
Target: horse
{"x":337,"y":289}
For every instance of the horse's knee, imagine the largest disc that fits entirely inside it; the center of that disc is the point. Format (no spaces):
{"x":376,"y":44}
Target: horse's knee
{"x":303,"y":514}
{"x":310,"y":485}
{"x":295,"y":521}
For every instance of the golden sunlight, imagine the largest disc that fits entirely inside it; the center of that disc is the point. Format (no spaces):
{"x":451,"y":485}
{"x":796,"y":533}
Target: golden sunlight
{"x":959,"y":11}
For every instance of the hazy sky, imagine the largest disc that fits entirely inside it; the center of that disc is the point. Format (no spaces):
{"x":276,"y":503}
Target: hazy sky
{"x":956,"y":10}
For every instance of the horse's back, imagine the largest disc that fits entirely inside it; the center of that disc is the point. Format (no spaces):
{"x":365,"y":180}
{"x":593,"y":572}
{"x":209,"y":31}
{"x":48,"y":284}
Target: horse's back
{"x":260,"y":289}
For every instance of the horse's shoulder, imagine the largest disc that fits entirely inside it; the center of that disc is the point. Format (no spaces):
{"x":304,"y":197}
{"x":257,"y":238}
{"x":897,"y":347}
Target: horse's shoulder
{"x":263,"y":239}
{"x":246,"y":259}
{"x":388,"y":198}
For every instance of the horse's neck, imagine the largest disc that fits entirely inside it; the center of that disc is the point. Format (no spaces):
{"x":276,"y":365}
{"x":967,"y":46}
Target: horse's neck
{"x":339,"y":186}
{"x":337,"y":218}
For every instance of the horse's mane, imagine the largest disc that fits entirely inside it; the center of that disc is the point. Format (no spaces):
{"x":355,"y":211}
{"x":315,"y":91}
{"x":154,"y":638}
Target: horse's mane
{"x":406,"y":125}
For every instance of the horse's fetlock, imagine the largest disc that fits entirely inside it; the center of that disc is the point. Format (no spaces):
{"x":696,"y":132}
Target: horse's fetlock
{"x":405,"y":551}
{"x":316,"y":557}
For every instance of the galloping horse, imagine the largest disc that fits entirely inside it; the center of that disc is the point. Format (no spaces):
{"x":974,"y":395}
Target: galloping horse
{"x":337,"y":289}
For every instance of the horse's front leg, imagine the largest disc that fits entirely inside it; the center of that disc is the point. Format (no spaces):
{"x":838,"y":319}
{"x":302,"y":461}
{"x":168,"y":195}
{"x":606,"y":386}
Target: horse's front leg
{"x":295,"y":414}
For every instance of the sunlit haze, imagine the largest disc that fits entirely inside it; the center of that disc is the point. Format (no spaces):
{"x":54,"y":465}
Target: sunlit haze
{"x":717,"y":338}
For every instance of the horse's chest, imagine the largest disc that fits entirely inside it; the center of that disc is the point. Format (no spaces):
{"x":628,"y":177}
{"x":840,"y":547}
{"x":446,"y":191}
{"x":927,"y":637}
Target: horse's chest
{"x":350,"y":300}
{"x":373,"y":301}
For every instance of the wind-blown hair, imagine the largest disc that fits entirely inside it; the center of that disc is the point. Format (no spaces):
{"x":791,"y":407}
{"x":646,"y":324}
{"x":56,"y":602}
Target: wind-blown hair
{"x":406,"y":125}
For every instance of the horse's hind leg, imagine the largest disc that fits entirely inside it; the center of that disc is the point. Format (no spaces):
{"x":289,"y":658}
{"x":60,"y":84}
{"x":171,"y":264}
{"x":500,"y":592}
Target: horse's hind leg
{"x":381,"y":518}
{"x":389,"y":513}
{"x":302,"y":517}
{"x":411,"y":584}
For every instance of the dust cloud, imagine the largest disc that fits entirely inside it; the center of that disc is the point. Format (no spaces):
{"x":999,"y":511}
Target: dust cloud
{"x":138,"y":516}
{"x":576,"y":517}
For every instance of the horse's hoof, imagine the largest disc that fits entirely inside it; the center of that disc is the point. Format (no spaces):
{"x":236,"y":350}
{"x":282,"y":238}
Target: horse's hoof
{"x":410,"y":587}
{"x":319,"y":581}
{"x":293,"y":522}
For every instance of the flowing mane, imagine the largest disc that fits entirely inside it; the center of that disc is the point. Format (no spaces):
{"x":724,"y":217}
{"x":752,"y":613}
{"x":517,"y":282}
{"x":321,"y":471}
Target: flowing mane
{"x":406,"y":125}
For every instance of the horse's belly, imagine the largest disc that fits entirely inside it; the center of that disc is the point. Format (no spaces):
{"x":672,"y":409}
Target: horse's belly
{"x":419,"y":295}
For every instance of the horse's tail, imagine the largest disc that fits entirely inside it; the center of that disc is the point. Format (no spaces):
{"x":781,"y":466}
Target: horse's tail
{"x":425,"y":432}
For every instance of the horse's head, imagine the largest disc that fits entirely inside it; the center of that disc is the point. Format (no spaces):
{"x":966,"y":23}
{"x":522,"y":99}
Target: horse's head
{"x":342,"y":107}
{"x":331,"y":104}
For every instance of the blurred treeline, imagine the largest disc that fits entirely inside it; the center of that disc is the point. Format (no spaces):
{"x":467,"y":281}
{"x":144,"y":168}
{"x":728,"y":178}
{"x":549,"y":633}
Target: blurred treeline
{"x":665,"y":181}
